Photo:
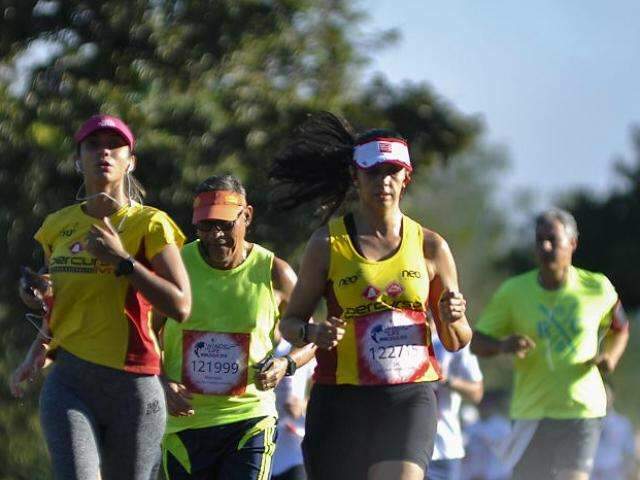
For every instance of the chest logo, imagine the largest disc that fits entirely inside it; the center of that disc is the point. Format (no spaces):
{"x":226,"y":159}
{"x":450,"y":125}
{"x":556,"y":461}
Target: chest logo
{"x":76,"y":248}
{"x":394,"y":289}
{"x":411,"y":274}
{"x":371,"y":293}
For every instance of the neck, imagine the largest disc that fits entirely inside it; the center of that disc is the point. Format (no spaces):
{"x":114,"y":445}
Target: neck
{"x":104,"y":200}
{"x":235,"y":259}
{"x":553,"y":278}
{"x":385,"y":221}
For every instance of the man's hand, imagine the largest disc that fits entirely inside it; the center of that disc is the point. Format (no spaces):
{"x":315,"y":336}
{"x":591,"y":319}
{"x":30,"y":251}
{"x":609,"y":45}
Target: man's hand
{"x":517,"y":344}
{"x":178,"y":398}
{"x":27,"y":371}
{"x":270,"y":377}
{"x":105,"y":243}
{"x":326,"y":334}
{"x":452,"y":306}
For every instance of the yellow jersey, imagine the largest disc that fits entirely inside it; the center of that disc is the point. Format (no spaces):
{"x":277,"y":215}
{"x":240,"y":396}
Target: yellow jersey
{"x":384,"y":304}
{"x":97,"y":316}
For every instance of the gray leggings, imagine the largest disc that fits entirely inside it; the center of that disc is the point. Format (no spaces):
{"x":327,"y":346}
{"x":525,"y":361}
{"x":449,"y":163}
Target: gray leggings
{"x":100,"y":422}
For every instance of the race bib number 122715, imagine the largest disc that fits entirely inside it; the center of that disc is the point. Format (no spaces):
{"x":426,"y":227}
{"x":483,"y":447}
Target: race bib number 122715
{"x":392,"y":347}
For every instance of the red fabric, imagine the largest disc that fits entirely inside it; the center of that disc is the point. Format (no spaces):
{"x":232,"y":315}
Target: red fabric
{"x":325,"y":372}
{"x":619,"y":321}
{"x":141,"y":356}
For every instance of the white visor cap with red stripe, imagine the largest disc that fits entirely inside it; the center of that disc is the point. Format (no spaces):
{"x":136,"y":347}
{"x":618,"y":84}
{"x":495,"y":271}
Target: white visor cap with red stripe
{"x":382,"y":150}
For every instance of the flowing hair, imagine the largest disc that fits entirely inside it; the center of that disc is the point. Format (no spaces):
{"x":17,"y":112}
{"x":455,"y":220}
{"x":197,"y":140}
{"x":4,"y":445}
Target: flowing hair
{"x":315,"y":166}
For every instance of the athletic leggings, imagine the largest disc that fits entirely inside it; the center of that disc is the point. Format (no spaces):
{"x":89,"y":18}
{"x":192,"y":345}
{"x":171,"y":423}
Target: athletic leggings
{"x":99,"y":420}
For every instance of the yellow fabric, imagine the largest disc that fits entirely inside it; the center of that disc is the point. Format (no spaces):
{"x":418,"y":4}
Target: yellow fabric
{"x":240,"y":300}
{"x":350,"y":274}
{"x":93,"y":310}
{"x":556,"y":378}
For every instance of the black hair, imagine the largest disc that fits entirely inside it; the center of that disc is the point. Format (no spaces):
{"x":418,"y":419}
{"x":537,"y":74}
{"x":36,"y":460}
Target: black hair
{"x":222,"y":182}
{"x":315,"y":165}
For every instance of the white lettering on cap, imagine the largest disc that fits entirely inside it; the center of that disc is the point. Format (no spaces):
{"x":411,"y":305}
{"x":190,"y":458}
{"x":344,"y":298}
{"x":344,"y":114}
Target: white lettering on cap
{"x":107,"y":123}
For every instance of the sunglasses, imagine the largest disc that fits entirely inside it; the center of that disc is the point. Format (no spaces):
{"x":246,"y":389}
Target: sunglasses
{"x":218,"y":225}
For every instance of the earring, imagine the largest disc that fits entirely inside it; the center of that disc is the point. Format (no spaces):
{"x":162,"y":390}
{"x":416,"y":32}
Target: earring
{"x":78,"y":166}
{"x":131,"y":167}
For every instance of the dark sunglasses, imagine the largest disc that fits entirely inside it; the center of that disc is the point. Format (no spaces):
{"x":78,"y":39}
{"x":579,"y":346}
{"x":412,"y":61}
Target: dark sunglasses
{"x":218,"y":225}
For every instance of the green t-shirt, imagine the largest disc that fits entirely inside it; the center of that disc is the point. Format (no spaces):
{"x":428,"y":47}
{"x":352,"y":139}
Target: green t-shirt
{"x":554,"y":379}
{"x":230,"y":329}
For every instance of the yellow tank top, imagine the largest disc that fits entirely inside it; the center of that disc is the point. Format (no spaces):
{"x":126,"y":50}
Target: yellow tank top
{"x":387,"y":339}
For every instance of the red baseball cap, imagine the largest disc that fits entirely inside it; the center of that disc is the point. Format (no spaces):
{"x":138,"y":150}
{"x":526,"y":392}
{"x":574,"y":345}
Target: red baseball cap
{"x":105,"y":122}
{"x":218,"y":205}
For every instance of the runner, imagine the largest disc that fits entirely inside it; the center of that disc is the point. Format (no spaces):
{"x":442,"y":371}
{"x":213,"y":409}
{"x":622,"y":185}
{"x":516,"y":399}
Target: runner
{"x":372,"y":411}
{"x":462,"y":378}
{"x":291,"y":400}
{"x":110,"y":260}
{"x":219,"y":369}
{"x":552,"y":319}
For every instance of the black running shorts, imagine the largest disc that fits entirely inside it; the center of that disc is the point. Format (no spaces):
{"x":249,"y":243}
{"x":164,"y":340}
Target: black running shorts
{"x":350,"y":428}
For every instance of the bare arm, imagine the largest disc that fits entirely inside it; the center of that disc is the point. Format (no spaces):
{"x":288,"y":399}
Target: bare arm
{"x":448,"y":304}
{"x":471,"y":391}
{"x":284,"y":280}
{"x":166,"y":287}
{"x":615,"y":342}
{"x":487,"y":346}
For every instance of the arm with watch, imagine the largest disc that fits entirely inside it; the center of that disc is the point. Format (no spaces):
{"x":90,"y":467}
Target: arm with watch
{"x":310,"y":288}
{"x":271,"y":370}
{"x":166,"y":287}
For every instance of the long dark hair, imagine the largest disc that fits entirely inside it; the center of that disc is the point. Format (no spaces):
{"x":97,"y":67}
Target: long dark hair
{"x":315,"y":165}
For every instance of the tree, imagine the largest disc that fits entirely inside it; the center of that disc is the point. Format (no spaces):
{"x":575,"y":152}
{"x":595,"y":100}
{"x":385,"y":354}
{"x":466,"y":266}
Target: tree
{"x":208,"y":86}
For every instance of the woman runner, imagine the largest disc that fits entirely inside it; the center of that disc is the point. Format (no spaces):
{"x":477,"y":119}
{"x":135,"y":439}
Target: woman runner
{"x":110,"y":260}
{"x":372,"y":412}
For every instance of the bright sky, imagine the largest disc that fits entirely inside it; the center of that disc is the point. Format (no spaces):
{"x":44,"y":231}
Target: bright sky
{"x":557,"y":82}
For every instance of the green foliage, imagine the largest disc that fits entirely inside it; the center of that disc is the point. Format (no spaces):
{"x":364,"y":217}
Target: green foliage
{"x":208,"y":86}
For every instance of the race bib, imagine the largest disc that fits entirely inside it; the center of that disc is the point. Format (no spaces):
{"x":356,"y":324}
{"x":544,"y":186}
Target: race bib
{"x":392,"y":347}
{"x":215,"y":363}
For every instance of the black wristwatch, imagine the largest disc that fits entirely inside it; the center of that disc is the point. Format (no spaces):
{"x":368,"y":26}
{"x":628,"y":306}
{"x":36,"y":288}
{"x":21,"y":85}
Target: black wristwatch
{"x":292,"y":366}
{"x":124,"y":267}
{"x":303,"y":333}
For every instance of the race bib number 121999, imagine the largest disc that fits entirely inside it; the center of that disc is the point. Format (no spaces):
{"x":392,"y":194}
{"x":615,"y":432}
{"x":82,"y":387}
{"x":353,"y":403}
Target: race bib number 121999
{"x":215,"y":363}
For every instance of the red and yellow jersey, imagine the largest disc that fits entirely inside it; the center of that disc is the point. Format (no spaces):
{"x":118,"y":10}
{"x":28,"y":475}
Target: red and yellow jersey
{"x":387,"y":339}
{"x":97,"y":316}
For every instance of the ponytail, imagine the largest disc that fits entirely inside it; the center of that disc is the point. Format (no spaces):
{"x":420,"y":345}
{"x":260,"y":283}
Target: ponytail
{"x":314,"y":165}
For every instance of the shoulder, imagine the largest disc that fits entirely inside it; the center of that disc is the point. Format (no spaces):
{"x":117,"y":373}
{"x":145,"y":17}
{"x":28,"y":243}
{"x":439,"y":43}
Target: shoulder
{"x":521,"y":280}
{"x":56,"y":221}
{"x":434,"y":245}
{"x":592,"y":279}
{"x":282,"y":274}
{"x":320,"y":239}
{"x":63,"y":214}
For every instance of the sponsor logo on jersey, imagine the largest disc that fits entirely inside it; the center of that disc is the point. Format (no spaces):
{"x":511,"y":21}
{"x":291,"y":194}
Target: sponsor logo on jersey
{"x":348,"y":281}
{"x":394,"y":289}
{"x":371,"y":293}
{"x":411,"y":274}
{"x":76,"y":248}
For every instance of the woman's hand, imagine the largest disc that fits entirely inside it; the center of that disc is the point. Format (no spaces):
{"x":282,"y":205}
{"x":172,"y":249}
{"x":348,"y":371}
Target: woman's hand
{"x":34,"y":289}
{"x":105,"y":243}
{"x":178,"y":398}
{"x":28,"y":370}
{"x":326,"y":334}
{"x":452,"y":306}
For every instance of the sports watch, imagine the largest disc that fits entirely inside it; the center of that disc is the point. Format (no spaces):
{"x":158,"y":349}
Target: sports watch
{"x":124,"y":267}
{"x":292,"y":366}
